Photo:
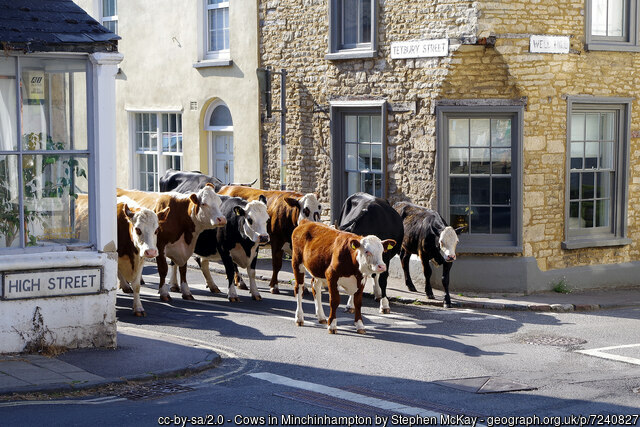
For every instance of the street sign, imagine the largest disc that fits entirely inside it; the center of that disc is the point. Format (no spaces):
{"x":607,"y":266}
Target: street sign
{"x":51,"y":283}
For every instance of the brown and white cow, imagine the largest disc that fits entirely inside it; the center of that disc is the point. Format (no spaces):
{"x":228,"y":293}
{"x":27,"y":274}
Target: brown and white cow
{"x":286,"y":209}
{"x":188,"y":216}
{"x":337,"y":259}
{"x":137,"y":239}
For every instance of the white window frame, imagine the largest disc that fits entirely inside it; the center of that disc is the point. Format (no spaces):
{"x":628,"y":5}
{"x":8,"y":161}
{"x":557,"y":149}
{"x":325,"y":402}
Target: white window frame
{"x":215,"y":54}
{"x":109,"y":18}
{"x":158,"y":152}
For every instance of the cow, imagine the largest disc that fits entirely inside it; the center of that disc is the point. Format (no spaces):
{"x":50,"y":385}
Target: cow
{"x":190,"y":214}
{"x":337,"y":259}
{"x":364,"y":214}
{"x":286,"y":209}
{"x":187,"y":182}
{"x":427,"y":234}
{"x":236,"y":243}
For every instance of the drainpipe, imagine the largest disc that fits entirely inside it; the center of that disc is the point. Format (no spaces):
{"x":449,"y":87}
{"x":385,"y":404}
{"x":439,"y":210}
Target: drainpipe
{"x":283,"y":128}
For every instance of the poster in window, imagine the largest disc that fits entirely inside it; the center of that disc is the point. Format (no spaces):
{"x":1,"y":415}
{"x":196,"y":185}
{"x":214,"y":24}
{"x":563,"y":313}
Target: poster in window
{"x":35,"y":87}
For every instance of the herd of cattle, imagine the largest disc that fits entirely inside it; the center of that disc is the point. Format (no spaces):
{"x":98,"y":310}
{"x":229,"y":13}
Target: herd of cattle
{"x":195,"y":215}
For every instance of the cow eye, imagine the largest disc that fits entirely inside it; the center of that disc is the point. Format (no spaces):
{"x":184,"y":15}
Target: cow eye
{"x":138,"y":231}
{"x":156,"y":232}
{"x":367,"y":253}
{"x":250,"y":221}
{"x":306,"y":212}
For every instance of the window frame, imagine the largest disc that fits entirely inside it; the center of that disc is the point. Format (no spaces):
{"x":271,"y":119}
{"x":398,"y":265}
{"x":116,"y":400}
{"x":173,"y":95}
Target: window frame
{"x":363,"y":50}
{"x":483,"y":242}
{"x":617,"y":235}
{"x":109,"y":18}
{"x":208,"y":54}
{"x":630,"y":43}
{"x":158,"y":153}
{"x":89,"y":153}
{"x":338,"y":167}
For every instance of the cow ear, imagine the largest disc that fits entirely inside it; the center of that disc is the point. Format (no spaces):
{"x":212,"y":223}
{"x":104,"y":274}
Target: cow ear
{"x":128,"y":212}
{"x":238,"y":211}
{"x":355,"y":244}
{"x":293,"y":202}
{"x":194,"y":198}
{"x":388,"y":244}
{"x":163,"y":214}
{"x":262,"y":199}
{"x":460,"y":229}
{"x":211,"y":185}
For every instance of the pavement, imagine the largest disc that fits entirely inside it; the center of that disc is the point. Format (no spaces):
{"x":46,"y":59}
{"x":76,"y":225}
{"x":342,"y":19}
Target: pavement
{"x":142,"y":356}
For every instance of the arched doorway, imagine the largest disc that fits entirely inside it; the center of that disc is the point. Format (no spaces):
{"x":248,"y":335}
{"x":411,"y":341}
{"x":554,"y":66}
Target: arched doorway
{"x":219,"y":127}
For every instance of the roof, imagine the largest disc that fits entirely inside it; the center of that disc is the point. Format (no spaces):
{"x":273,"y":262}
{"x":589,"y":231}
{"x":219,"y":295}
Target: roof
{"x":52,"y":26}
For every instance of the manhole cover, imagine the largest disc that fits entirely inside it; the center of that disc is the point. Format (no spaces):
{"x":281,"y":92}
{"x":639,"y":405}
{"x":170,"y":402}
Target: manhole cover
{"x":553,"y":340}
{"x":152,"y":391}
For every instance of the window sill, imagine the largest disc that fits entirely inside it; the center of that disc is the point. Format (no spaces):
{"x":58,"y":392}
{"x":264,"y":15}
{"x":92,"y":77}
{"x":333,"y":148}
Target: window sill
{"x":213,"y":63}
{"x":596,"y":243}
{"x":353,"y":54}
{"x":488,"y":249}
{"x":611,"y":46}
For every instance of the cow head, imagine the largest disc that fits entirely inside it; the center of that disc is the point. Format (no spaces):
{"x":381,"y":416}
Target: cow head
{"x":255,"y":221}
{"x":309,"y":206}
{"x":369,"y":250}
{"x":206,"y":209}
{"x":143,"y":228}
{"x":448,"y":241}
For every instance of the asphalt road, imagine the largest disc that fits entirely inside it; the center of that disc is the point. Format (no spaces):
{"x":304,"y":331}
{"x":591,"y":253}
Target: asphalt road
{"x":497,"y":366}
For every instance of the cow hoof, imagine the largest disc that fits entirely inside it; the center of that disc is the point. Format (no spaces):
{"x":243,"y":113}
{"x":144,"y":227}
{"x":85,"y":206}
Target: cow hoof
{"x":412,"y":288}
{"x":361,"y":331}
{"x":127,"y":290}
{"x":242,"y":286}
{"x":175,"y":288}
{"x":299,"y":323}
{"x":256,"y":297}
{"x":275,"y":290}
{"x":188,"y":297}
{"x":447,"y":305}
{"x":332,"y":331}
{"x":165,"y":298}
{"x":385,"y":310}
{"x":234,"y":299}
{"x":350,"y":310}
{"x":140,"y":314}
{"x":431,"y":296}
{"x":215,"y":290}
{"x":322,"y":321}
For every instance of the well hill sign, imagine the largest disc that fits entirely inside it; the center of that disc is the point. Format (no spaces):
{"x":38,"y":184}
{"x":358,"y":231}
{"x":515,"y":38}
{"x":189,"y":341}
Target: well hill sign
{"x":51,"y":283}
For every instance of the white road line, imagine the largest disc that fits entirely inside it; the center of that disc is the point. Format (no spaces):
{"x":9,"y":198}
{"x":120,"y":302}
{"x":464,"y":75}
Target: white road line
{"x":99,"y":401}
{"x":600,"y":352}
{"x":347,"y":395}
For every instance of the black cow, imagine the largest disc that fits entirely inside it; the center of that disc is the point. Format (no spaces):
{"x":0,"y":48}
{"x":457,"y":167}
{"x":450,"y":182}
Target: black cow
{"x":365,"y":214}
{"x":187,"y":182}
{"x":427,"y":234}
{"x":236,"y":244}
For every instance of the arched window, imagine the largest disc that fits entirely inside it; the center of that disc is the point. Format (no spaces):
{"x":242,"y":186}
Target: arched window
{"x":220,"y":118}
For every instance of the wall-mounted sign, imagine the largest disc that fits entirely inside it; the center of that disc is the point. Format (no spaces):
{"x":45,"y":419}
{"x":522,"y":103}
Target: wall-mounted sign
{"x":51,"y":283}
{"x":420,"y":49}
{"x":34,"y":82}
{"x":549,"y":44}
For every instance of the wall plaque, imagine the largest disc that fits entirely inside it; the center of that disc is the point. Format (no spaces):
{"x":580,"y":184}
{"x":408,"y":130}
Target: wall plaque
{"x":549,"y":44}
{"x":51,"y":283}
{"x":420,"y":49}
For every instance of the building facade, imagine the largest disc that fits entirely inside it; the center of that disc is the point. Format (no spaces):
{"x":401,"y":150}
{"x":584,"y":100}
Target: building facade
{"x":187,"y":89}
{"x":517,"y":120}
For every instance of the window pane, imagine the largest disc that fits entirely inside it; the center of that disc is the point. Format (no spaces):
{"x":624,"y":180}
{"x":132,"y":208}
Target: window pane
{"x":501,"y":160}
{"x":459,"y":191}
{"x":602,"y":213}
{"x":364,"y":156}
{"x":480,"y":190}
{"x":349,"y":22}
{"x":366,"y":22}
{"x":606,"y":155}
{"x":577,"y":153}
{"x":574,"y":210}
{"x":459,"y":217}
{"x":458,"y":160}
{"x":603,"y":189}
{"x":376,"y":128}
{"x":367,"y":183}
{"x":351,"y":153}
{"x":8,"y":120}
{"x":480,"y":129}
{"x":351,"y":128}
{"x":577,"y":126}
{"x":364,"y":129}
{"x":9,"y":202}
{"x":586,"y":214}
{"x":587,"y":185}
{"x":501,"y":220}
{"x":480,"y":219}
{"x":501,"y":191}
{"x":221,"y":116}
{"x":615,"y":21}
{"x":591,"y":153}
{"x":480,"y":160}
{"x":353,"y":183}
{"x":574,"y":186}
{"x":377,"y":181}
{"x":500,"y":132}
{"x":459,"y":132}
{"x":376,"y":157}
{"x":599,"y":17}
{"x":593,"y":127}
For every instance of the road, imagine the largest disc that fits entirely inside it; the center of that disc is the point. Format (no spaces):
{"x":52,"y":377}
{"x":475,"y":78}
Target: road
{"x":417,"y":366}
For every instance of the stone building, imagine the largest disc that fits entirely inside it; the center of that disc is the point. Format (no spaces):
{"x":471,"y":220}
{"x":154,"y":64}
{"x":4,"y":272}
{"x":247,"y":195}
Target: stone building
{"x":517,"y":119}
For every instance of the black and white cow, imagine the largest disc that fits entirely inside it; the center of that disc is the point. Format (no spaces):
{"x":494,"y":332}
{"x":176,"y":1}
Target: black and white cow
{"x":364,"y":214}
{"x":235,"y":244}
{"x":187,"y":182}
{"x":427,"y":234}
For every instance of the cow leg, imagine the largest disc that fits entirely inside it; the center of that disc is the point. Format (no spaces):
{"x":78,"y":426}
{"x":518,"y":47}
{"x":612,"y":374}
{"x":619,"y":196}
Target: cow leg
{"x":427,"y":277}
{"x":405,"y":257}
{"x":357,"y":299}
{"x":204,"y":267}
{"x":446,"y":267}
{"x":173,"y":280}
{"x":334,"y":302}
{"x":317,"y":297}
{"x":232,"y":294}
{"x":377,"y":293}
{"x":298,"y":272}
{"x":382,"y":279}
{"x":276,"y":265}
{"x":124,"y":285}
{"x":349,"y":308}
{"x":251,"y":271}
{"x":184,"y":286}
{"x":238,"y":279}
{"x":163,"y":268}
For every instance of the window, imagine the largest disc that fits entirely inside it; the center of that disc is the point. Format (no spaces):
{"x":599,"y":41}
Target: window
{"x":158,"y":147}
{"x":110,"y":15}
{"x":597,"y":165}
{"x":217,"y":29}
{"x":353,"y":29}
{"x":44,"y":150}
{"x":479,"y":175}
{"x":612,"y":25}
{"x":358,"y":142}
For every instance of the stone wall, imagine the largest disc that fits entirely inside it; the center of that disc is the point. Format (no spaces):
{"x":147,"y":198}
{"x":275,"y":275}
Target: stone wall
{"x":294,"y":35}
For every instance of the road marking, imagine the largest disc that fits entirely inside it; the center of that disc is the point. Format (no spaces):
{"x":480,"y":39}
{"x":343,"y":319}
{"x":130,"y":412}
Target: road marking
{"x":96,"y":401}
{"x":600,"y":352}
{"x":347,"y":395}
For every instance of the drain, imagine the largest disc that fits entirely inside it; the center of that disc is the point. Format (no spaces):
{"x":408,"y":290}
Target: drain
{"x":152,"y":391}
{"x":553,"y":340}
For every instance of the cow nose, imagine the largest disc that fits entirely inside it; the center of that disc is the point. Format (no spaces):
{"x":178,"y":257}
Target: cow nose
{"x":382,"y":268}
{"x":151,"y":253}
{"x":221,"y":220}
{"x":451,"y":258}
{"x":316,"y":216}
{"x":264,"y":238}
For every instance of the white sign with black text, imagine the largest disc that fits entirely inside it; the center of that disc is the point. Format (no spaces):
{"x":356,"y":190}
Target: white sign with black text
{"x":549,"y":44}
{"x":51,"y":283}
{"x":420,"y":49}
